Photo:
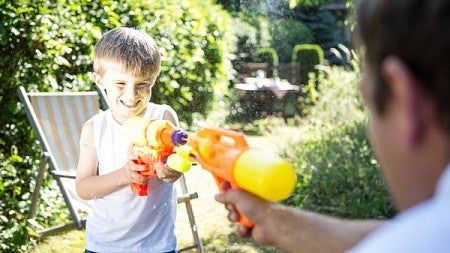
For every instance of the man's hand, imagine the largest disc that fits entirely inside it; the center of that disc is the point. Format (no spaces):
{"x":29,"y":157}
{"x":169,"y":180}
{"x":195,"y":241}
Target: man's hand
{"x":256,"y":209}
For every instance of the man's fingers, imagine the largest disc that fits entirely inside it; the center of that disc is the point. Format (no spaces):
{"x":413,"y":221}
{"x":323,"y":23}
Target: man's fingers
{"x":230,"y":207}
{"x":243,"y":231}
{"x":233,"y":216}
{"x":225,"y":186}
{"x":230,"y":196}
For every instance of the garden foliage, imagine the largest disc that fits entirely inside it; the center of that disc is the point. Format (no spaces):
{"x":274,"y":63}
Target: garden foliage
{"x":47,"y":45}
{"x":308,"y":56}
{"x":337,"y":171}
{"x":286,"y":33}
{"x":268,"y":55}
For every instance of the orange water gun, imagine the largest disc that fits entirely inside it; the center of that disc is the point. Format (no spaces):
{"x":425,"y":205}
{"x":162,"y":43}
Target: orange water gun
{"x":156,"y":141}
{"x":226,"y":154}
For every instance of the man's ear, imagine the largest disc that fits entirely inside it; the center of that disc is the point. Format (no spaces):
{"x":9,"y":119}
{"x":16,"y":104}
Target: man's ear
{"x":407,"y":96}
{"x":97,"y":80}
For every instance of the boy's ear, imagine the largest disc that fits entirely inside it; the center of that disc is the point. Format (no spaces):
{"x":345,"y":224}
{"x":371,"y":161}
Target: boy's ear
{"x":97,"y":80}
{"x":407,"y":96}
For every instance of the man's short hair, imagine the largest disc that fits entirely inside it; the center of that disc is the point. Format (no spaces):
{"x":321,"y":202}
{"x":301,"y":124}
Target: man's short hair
{"x":417,"y":32}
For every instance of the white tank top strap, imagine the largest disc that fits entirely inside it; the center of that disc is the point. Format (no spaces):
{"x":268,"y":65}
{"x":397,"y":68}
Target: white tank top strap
{"x":157,"y":111}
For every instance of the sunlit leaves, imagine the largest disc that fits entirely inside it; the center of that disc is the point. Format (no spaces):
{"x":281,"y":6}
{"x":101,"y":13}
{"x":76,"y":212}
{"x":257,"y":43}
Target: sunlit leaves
{"x":295,"y":3}
{"x":47,"y":45}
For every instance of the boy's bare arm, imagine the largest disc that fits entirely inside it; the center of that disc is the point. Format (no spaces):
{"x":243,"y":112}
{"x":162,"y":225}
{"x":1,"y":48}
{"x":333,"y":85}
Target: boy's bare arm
{"x":89,"y":184}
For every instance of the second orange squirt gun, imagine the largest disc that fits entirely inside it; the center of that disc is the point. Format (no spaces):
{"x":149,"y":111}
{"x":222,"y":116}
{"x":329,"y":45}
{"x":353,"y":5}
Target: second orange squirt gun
{"x":155,"y":141}
{"x":226,"y":154}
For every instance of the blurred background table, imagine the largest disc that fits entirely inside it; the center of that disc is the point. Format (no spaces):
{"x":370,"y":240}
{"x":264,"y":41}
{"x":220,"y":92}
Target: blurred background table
{"x":260,"y":93}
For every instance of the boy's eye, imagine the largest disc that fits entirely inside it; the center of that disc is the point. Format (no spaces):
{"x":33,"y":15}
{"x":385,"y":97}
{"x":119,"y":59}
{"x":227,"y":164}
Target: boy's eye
{"x":142,"y":86}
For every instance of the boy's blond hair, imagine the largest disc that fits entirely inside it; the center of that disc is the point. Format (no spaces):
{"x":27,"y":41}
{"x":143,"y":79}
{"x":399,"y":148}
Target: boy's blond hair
{"x":132,"y":50}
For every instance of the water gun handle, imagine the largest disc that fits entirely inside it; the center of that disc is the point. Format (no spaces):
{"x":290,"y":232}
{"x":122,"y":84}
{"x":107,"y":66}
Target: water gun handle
{"x":242,"y":219}
{"x":141,"y":189}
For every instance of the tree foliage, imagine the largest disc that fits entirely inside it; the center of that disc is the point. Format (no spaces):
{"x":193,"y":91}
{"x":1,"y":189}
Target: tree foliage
{"x":47,"y":45}
{"x":295,"y":3}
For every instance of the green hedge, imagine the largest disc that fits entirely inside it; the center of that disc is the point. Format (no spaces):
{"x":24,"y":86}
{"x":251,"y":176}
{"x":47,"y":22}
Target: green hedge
{"x":268,"y":55}
{"x":308,"y":56}
{"x":337,"y":170}
{"x":47,"y":45}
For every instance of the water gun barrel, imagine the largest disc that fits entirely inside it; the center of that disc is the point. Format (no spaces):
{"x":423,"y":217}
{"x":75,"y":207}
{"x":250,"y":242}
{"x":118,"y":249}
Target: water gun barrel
{"x":227,"y":156}
{"x":267,"y":176}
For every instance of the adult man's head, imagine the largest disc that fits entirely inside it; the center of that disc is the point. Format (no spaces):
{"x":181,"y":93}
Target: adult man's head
{"x":407,"y":88}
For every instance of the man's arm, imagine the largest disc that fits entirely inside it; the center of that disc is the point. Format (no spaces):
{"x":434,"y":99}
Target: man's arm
{"x":292,"y":229}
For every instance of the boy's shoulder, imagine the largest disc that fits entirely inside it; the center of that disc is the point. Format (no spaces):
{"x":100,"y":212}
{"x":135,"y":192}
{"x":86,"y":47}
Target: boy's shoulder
{"x":99,"y":114}
{"x":157,"y":111}
{"x":101,"y":118}
{"x":154,"y":105}
{"x":153,"y":108}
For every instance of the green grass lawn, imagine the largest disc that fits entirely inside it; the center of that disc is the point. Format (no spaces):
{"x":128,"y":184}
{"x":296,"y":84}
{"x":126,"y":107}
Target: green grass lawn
{"x":72,"y":241}
{"x":225,"y":241}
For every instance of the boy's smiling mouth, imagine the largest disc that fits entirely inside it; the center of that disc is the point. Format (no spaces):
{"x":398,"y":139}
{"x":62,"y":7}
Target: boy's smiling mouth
{"x":130,"y":104}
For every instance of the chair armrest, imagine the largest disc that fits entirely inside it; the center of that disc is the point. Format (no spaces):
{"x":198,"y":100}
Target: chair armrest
{"x":64,"y":174}
{"x":187,"y":197}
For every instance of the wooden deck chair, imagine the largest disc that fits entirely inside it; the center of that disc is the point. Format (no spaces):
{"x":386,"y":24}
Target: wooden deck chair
{"x":57,"y":119}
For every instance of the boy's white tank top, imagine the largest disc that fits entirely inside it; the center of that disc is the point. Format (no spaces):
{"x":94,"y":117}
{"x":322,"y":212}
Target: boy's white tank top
{"x":122,"y":221}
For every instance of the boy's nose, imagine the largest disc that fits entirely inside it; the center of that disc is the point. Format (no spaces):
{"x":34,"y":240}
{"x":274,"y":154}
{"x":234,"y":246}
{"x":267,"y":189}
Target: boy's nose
{"x":130,"y":92}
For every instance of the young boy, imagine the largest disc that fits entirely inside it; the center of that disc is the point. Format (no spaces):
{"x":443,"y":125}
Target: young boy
{"x":126,"y":65}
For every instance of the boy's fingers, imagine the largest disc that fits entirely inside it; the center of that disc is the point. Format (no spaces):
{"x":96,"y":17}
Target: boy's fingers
{"x":138,"y":167}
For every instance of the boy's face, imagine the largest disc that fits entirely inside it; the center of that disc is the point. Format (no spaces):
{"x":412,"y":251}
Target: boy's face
{"x":127,"y":94}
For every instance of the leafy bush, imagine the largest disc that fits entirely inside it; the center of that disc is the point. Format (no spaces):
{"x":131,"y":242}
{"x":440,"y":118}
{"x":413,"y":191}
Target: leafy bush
{"x":326,"y":32}
{"x":260,"y":22}
{"x":338,"y":175}
{"x":308,"y":56}
{"x":251,"y":32}
{"x":246,"y":42}
{"x":47,"y":45}
{"x":268,"y":55}
{"x":337,"y":170}
{"x":286,"y":33}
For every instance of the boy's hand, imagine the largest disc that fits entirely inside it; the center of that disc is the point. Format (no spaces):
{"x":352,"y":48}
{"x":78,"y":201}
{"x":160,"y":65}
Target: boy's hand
{"x":131,"y":171}
{"x":166,"y":174}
